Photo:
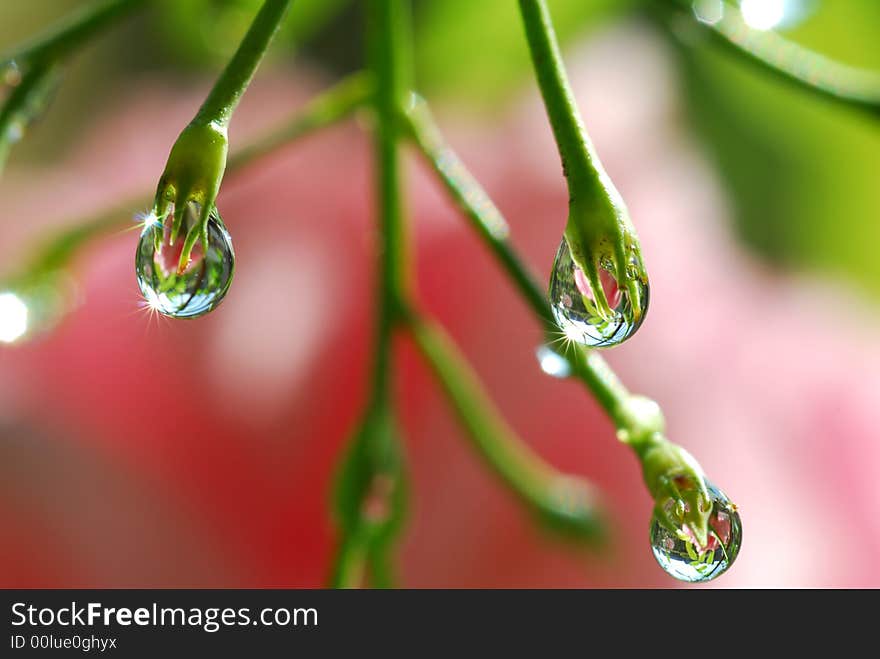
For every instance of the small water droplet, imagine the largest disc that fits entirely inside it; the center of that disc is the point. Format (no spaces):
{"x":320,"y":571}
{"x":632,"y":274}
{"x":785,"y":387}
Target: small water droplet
{"x":552,"y":363}
{"x":573,"y":306}
{"x":205,"y":280}
{"x":708,"y":11}
{"x":11,"y":75}
{"x":682,"y":557}
{"x":15,"y":131}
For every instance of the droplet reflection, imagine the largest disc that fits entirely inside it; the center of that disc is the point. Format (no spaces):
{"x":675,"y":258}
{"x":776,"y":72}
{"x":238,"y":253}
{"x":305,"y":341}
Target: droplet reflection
{"x":681,"y":556}
{"x":201,"y":285}
{"x":575,"y":309}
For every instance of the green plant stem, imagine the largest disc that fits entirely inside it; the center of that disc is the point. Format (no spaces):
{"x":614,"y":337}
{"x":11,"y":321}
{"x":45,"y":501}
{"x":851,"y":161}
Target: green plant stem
{"x":330,"y":107}
{"x":388,"y":45}
{"x":787,"y":61}
{"x":69,"y":33}
{"x":24,"y":100}
{"x":492,"y":228}
{"x":350,"y":565}
{"x":563,"y":502}
{"x":579,"y":161}
{"x":39,"y":60}
{"x":387,"y":26}
{"x":232,"y":83}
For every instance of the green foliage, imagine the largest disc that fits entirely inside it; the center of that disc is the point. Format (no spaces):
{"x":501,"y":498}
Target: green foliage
{"x":220,"y":25}
{"x":476,"y":50}
{"x":801,"y":173}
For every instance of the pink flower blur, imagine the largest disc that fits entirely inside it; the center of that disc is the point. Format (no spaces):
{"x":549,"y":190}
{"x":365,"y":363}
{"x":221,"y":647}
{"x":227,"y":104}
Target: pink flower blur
{"x":144,"y":452}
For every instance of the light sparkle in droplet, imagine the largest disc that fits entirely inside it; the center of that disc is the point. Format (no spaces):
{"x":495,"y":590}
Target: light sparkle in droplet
{"x":203,"y":283}
{"x":576,"y":312}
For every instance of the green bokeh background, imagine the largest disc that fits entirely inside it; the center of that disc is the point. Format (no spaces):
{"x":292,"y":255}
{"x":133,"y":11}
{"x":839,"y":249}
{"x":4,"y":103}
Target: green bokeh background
{"x":803,"y":175}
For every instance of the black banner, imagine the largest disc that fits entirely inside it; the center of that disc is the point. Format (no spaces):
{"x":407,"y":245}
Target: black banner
{"x":321,"y":623}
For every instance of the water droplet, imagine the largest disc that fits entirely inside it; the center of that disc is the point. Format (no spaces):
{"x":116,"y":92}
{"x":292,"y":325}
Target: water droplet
{"x":708,"y":11}
{"x":34,"y":304}
{"x":552,"y":363}
{"x":13,"y":317}
{"x":15,"y":131}
{"x":682,"y":557}
{"x":574,"y":309}
{"x":203,"y":283}
{"x":11,"y":75}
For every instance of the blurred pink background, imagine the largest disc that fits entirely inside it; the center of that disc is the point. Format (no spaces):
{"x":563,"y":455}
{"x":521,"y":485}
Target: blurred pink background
{"x":138,"y":451}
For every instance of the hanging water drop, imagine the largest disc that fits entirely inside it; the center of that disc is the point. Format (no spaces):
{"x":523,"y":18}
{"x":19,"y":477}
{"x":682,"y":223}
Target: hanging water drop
{"x":552,"y":363}
{"x":202,"y":284}
{"x":682,"y":556}
{"x":575,"y":310}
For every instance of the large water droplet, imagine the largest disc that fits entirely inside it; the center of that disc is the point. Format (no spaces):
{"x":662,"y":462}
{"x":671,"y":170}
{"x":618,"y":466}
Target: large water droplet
{"x":574,"y":308}
{"x":202,"y":285}
{"x":682,"y":557}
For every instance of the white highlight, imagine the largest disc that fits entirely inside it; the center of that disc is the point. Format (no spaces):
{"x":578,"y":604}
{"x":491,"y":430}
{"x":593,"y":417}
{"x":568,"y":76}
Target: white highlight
{"x":763,"y":14}
{"x":552,"y":363}
{"x":13,"y":317}
{"x":148,"y":219}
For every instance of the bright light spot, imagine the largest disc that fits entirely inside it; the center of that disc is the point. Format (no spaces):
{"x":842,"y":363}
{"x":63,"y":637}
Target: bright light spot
{"x":708,"y":11}
{"x":13,"y":317}
{"x":552,"y":363}
{"x":762,"y":14}
{"x":147,"y":219}
{"x":572,"y":333}
{"x":152,"y":298}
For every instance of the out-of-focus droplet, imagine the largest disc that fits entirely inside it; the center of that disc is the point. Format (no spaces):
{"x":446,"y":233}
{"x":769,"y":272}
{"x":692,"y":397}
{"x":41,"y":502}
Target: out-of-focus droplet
{"x":11,"y":74}
{"x":13,"y":317}
{"x":552,"y":363}
{"x":202,"y":284}
{"x":708,"y":11}
{"x":15,"y":131}
{"x":680,"y":554}
{"x":575,"y":310}
{"x":34,"y":305}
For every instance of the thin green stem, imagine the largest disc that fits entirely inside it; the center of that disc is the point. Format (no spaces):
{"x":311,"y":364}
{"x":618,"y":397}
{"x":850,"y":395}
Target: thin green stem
{"x":232,"y":83}
{"x":374,"y":463}
{"x":492,"y":228}
{"x":330,"y":107}
{"x":37,"y":63}
{"x":789,"y":62}
{"x":563,"y":502}
{"x":387,"y":49}
{"x":70,"y":33}
{"x":474,"y":203}
{"x":575,"y":147}
{"x":350,"y":564}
